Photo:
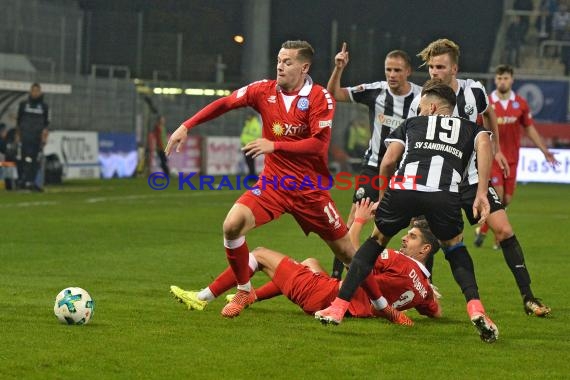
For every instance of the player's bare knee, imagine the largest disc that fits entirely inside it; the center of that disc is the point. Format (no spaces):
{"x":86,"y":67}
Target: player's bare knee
{"x":309,"y":261}
{"x":500,"y":226}
{"x":504,"y":232}
{"x":313,"y":264}
{"x":232,"y":227}
{"x":260,"y":254}
{"x":258,"y":251}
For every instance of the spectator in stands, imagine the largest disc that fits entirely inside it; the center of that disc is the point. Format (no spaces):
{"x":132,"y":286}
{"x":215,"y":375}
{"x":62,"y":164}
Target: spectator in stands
{"x":528,"y":6}
{"x":159,"y":132}
{"x":561,"y":22}
{"x":357,"y":138}
{"x":544,"y":22}
{"x":32,"y":124}
{"x":515,"y":38}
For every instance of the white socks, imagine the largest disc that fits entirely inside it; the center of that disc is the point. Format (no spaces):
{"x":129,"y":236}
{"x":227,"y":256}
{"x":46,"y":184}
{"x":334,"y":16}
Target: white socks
{"x":246,"y":287}
{"x":233,"y":244}
{"x":254,"y":267}
{"x":206,"y":295}
{"x":253,"y":263}
{"x":380,"y":303}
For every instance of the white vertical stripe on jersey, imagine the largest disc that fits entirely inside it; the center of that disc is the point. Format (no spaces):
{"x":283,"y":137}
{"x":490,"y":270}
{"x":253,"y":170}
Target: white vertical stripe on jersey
{"x":410,"y":170}
{"x":434,"y":173}
{"x":454,"y":188}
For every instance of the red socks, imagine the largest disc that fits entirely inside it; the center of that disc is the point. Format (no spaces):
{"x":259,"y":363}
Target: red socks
{"x":238,"y":258}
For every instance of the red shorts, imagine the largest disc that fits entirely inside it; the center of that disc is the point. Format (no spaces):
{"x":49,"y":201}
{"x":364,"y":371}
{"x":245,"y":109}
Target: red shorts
{"x":314,"y":211}
{"x":314,"y":291}
{"x":497,"y":178}
{"x":311,"y":291}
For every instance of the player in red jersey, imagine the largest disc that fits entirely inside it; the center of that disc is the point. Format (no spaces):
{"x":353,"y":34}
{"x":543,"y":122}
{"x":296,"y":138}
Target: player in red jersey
{"x":401,"y":275}
{"x":512,"y":113}
{"x":297,"y":117}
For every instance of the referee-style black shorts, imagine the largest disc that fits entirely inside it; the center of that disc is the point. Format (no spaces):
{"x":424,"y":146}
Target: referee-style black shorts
{"x":468,"y":194}
{"x":442,"y":210}
{"x":371,"y":189}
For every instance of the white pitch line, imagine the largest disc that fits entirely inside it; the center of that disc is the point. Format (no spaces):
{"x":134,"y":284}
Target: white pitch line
{"x":115,"y":198}
{"x":29,"y":204}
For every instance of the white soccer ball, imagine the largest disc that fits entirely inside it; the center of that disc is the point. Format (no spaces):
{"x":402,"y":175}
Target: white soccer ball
{"x":74,"y":306}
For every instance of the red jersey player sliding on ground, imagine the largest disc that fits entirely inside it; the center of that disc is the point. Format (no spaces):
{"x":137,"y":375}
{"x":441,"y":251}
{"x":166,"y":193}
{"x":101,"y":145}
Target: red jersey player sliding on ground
{"x":401,"y":275}
{"x":297,"y":116}
{"x":512,"y":113}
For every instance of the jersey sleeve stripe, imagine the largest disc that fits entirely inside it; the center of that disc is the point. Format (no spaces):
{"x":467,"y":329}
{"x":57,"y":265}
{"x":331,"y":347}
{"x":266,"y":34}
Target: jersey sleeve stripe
{"x":389,"y":140}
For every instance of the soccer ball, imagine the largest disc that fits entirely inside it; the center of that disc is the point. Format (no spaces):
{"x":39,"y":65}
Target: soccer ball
{"x":74,"y":306}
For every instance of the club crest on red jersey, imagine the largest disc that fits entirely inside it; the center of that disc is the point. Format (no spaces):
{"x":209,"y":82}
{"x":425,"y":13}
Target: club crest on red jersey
{"x":303,"y":104}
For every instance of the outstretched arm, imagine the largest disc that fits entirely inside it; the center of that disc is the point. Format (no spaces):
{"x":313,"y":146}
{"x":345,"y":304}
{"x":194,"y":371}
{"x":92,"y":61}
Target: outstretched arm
{"x":481,"y":207}
{"x":364,"y":212}
{"x":490,"y":122}
{"x":211,"y":111}
{"x":333,"y":86}
{"x":431,"y":309}
{"x":532,"y":133}
{"x":389,"y":161}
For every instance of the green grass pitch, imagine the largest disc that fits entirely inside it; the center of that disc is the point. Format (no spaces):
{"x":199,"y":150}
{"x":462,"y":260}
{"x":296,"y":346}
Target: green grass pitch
{"x":126,"y":244}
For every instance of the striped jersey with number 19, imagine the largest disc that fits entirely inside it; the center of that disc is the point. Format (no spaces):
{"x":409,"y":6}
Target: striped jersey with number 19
{"x":437,"y":151}
{"x":386,"y":111}
{"x":471,"y":101}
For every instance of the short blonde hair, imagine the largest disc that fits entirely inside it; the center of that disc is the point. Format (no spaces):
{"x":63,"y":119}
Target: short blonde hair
{"x":440,"y":47}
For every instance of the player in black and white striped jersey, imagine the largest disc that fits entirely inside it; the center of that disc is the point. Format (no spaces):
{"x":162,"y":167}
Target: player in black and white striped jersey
{"x":442,"y":57}
{"x":434,"y":151}
{"x":388,"y":103}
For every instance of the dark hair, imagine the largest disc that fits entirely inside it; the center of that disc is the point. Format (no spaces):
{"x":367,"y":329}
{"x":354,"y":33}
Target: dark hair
{"x":427,"y":236}
{"x":435,"y":87}
{"x":440,"y":47}
{"x":35,"y":84}
{"x":305,"y":50}
{"x":400,"y":54}
{"x":502,"y":69}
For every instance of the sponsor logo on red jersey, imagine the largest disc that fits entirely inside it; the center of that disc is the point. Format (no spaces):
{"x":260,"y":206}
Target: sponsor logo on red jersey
{"x":284,"y":129}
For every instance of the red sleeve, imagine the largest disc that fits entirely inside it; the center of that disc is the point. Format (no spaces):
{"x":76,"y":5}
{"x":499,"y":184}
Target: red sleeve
{"x":429,"y":308}
{"x":240,"y":98}
{"x":317,"y":145}
{"x":527,"y":120}
{"x":384,"y":260}
{"x":321,"y":114}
